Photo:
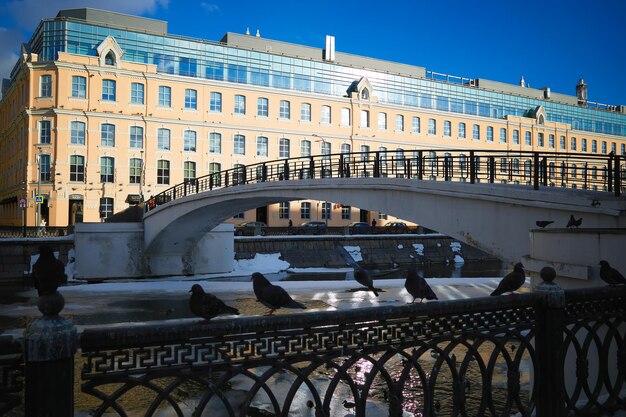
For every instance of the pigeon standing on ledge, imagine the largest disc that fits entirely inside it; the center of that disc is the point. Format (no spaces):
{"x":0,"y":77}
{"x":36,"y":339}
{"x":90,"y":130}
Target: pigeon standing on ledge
{"x":611,"y":275}
{"x":272,"y":296}
{"x":512,"y":281}
{"x":207,"y":305}
{"x":363,"y":277}
{"x":543,"y":223}
{"x":417,"y":286}
{"x":573,"y":222}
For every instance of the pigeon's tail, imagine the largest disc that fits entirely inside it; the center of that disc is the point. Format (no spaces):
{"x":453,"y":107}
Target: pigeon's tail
{"x":497,"y":291}
{"x":374,"y":291}
{"x":231,"y":310}
{"x":294,"y":304}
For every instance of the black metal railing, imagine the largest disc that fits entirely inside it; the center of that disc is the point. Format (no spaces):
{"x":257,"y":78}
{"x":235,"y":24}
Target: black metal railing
{"x":30,"y":231}
{"x":581,"y":171}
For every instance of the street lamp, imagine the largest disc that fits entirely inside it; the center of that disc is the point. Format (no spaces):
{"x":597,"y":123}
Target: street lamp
{"x":38,"y":217}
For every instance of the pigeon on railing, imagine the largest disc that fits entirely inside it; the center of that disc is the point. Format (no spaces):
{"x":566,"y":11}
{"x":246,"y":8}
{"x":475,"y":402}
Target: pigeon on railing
{"x":611,"y":275}
{"x":272,"y":296}
{"x":363,"y":277}
{"x":573,"y":222}
{"x":512,"y":281}
{"x":207,"y":305}
{"x":417,"y":286}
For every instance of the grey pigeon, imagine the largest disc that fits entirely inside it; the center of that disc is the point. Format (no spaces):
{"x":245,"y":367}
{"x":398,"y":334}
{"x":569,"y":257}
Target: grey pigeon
{"x":207,"y":305}
{"x":363,"y":277}
{"x":511,"y":281}
{"x":272,"y":296}
{"x":543,"y":223}
{"x":417,"y":286}
{"x":48,"y":271}
{"x":611,"y":275}
{"x":573,"y":222}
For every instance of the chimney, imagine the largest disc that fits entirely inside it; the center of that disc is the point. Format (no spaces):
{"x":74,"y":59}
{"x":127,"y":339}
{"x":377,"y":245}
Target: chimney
{"x":581,"y":92}
{"x":522,"y":82}
{"x":329,"y":51}
{"x":258,"y":33}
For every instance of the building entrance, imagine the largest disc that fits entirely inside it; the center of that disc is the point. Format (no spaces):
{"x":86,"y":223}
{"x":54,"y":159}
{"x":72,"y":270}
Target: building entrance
{"x":75,"y":214}
{"x":261,"y":214}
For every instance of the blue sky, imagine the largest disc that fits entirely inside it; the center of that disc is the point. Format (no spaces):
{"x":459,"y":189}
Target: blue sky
{"x":551,"y":43}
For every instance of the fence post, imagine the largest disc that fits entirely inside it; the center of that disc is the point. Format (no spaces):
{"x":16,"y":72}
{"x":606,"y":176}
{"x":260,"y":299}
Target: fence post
{"x":549,"y":379}
{"x":617,"y":174}
{"x":472,"y":168}
{"x":536,"y":170}
{"x":492,"y":169}
{"x":610,"y":175}
{"x":49,"y":347}
{"x":376,"y":164}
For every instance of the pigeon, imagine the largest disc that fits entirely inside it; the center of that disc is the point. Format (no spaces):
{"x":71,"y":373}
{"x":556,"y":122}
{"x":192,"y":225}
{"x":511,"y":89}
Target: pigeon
{"x":48,"y":271}
{"x":573,"y":222}
{"x":417,"y":286}
{"x":348,"y":404}
{"x":363,"y":277}
{"x":511,"y":281}
{"x":272,"y":296}
{"x":611,"y":275}
{"x":207,"y":305}
{"x":543,"y":223}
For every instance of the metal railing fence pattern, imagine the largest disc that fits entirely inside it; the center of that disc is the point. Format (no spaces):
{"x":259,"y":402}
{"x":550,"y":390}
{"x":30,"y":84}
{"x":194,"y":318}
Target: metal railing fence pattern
{"x":581,"y":171}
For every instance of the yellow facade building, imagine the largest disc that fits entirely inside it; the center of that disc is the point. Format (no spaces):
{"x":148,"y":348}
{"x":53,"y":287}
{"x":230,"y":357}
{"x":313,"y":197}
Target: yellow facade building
{"x":96,"y":116}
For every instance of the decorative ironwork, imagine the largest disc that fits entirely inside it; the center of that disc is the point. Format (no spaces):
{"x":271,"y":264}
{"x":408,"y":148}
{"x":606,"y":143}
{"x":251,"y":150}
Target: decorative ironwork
{"x":11,"y":374}
{"x":566,"y":170}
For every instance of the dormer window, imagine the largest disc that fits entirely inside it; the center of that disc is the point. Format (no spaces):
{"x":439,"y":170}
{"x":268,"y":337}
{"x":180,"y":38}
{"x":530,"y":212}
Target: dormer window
{"x":365,"y":94}
{"x":110,"y":59}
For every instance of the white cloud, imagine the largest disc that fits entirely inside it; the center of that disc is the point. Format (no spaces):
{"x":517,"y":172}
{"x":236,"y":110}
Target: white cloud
{"x":28,"y":13}
{"x":209,"y":7}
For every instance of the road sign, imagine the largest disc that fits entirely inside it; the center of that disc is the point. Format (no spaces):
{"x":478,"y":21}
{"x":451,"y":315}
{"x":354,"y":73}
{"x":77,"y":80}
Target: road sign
{"x":22,"y":203}
{"x":39,"y":199}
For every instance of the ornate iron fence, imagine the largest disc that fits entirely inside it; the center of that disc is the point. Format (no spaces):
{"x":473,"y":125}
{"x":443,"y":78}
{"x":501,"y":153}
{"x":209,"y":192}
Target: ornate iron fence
{"x":485,"y":356}
{"x":583,"y":171}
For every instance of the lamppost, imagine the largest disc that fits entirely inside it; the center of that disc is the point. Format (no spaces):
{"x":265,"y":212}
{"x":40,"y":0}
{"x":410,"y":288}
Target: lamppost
{"x":325,"y":212}
{"x":141,"y":172}
{"x":38,"y":217}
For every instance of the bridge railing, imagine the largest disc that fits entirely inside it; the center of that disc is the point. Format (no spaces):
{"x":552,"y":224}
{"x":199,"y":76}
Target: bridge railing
{"x":581,"y":171}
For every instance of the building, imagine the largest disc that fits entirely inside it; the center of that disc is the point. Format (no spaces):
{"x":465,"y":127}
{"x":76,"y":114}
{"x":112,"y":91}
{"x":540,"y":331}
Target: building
{"x":105,"y":109}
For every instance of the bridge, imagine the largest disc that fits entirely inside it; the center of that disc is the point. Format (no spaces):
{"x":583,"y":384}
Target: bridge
{"x":487,"y":199}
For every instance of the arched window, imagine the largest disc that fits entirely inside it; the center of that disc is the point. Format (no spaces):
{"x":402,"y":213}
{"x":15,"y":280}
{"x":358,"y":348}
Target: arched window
{"x":109,"y":59}
{"x":365,"y":94}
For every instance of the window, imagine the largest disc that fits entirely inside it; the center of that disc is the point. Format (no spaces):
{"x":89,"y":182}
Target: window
{"x":399,"y":156}
{"x":503,"y":135}
{"x":136,"y":93}
{"x":215,"y":143}
{"x":215,"y":102}
{"x":77,"y":133}
{"x":326,"y":114}
{"x":305,"y":148}
{"x":382,"y":121}
{"x":283,"y":210}
{"x":106,"y":207}
{"x":326,"y":150}
{"x":163,"y":172}
{"x":239,"y":145}
{"x":109,"y":59}
{"x":107,"y":169}
{"x":551,"y":141}
{"x":45,"y":86}
{"x":163,"y":139}
{"x":135,"y":171}
{"x":214,"y":169}
{"x":326,"y":210}
{"x":346,"y":212}
{"x":189,"y":141}
{"x":136,"y":137}
{"x":572,"y":144}
{"x":108,"y":90}
{"x":189,"y":170}
{"x":285,"y":109}
{"x":262,"y":107}
{"x":528,"y":139}
{"x":623,"y":149}
{"x":79,"y":86}
{"x":415,"y":124}
{"x":165,"y":96}
{"x":305,"y":112}
{"x":77,"y":168}
{"x":239,"y":216}
{"x":345,"y":149}
{"x":562,"y":143}
{"x":476,"y":132}
{"x":462,"y":130}
{"x":540,"y":140}
{"x":516,"y":137}
{"x":44,"y":131}
{"x":603,"y":147}
{"x":432,"y":127}
{"x":44,"y":167}
{"x":382,"y":151}
{"x":399,"y":123}
{"x":305,"y":210}
{"x":261,"y":146}
{"x":191,"y":99}
{"x":107,"y":134}
{"x":365,"y":149}
{"x":345,"y":117}
{"x":283,"y":148}
{"x":594,"y":146}
{"x":583,"y":145}
{"x":447,"y":128}
{"x":489,"y":134}
{"x":240,"y":104}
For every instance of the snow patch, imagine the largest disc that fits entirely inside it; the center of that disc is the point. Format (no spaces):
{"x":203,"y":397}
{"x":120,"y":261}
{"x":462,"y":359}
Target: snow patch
{"x":264,"y":263}
{"x":456,"y":247}
{"x":355,"y":252}
{"x":458,"y":259}
{"x":400,"y":246}
{"x":419,"y":248}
